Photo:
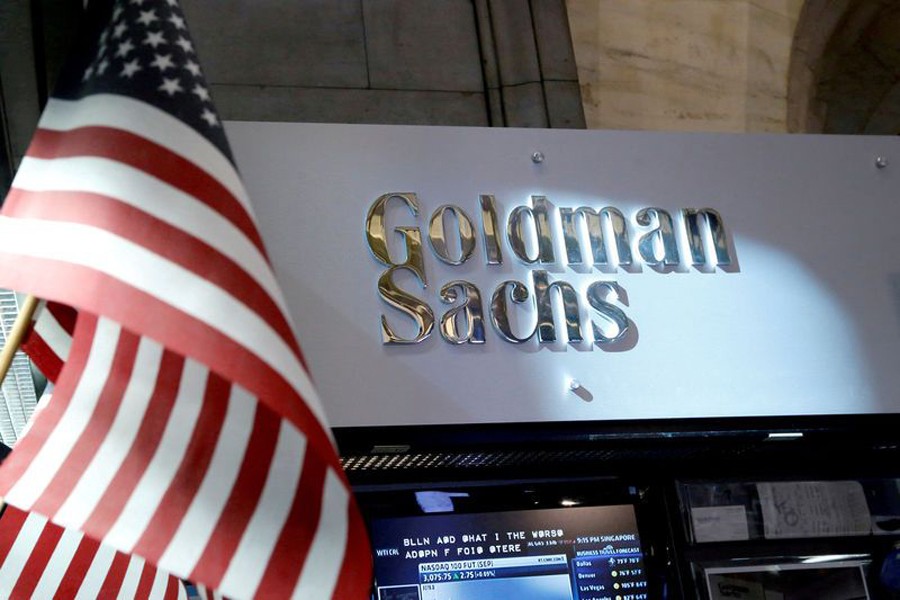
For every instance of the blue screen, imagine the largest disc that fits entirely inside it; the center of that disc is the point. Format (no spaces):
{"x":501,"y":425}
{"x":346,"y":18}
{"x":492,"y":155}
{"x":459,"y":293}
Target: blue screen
{"x":575,"y":553}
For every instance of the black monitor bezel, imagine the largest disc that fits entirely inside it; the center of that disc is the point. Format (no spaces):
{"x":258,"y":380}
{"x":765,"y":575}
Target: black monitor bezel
{"x":398,"y":501}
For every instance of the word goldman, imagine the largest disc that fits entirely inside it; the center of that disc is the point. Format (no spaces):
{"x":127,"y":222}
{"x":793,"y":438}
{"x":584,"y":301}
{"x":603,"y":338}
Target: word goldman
{"x":530,"y":236}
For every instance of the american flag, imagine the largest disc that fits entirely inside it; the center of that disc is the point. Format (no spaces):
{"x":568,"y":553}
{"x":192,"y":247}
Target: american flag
{"x":41,"y":560}
{"x":184,"y":427}
{"x":49,"y":338}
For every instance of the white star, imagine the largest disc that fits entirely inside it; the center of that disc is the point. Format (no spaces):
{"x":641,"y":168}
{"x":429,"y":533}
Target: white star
{"x":193,"y":67}
{"x":120,"y":30}
{"x":177,"y":21}
{"x":185,"y":44}
{"x":147,"y":17}
{"x":87,"y":73}
{"x":210,"y":117}
{"x":201,"y":92}
{"x":104,"y":36}
{"x":171,"y":86}
{"x":124,"y":48}
{"x":137,"y":2}
{"x":117,"y":12}
{"x":171,"y":2}
{"x":154,"y":38}
{"x":102,"y":66}
{"x":162,"y":62}
{"x":130,"y":68}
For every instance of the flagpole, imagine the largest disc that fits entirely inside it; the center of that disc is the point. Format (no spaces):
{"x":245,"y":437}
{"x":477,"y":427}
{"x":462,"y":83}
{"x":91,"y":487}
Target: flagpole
{"x":13,"y":341}
{"x":19,"y":328}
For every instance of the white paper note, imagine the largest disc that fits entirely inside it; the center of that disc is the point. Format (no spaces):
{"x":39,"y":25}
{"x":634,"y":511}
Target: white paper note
{"x":814,"y":509}
{"x":720,"y":523}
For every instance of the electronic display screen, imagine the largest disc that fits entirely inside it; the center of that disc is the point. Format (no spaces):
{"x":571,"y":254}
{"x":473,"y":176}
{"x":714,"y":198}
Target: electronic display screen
{"x":573,"y":553}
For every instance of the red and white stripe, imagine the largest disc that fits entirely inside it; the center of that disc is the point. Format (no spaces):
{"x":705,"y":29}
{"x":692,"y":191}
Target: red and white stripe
{"x":50,"y":338}
{"x":185,"y":427}
{"x":206,"y":594}
{"x":41,"y":560}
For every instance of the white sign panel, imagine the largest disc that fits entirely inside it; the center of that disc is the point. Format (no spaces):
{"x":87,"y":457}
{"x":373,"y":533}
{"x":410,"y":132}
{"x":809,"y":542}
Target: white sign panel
{"x":743,"y":275}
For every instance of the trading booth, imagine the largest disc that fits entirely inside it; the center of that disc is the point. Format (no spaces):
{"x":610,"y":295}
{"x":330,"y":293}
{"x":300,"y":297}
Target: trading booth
{"x":583,"y":365}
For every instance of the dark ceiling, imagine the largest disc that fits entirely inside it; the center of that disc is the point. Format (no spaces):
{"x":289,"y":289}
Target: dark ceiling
{"x":859,"y":82}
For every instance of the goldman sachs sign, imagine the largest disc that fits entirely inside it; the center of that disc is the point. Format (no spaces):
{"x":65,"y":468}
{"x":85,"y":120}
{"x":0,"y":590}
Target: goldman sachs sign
{"x":440,"y":275}
{"x":599,"y":236}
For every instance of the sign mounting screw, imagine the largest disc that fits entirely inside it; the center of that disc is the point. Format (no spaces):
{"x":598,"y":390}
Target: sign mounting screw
{"x":881,"y":162}
{"x":579,"y":390}
{"x":537,"y":157}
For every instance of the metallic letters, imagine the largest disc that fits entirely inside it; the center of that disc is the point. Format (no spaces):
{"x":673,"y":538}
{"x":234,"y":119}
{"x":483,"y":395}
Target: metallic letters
{"x":594,"y":221}
{"x":438,"y":240}
{"x":663,"y":235}
{"x":376,"y":235}
{"x":470,"y":310}
{"x":493,"y":254}
{"x":499,"y":311}
{"x":406,"y":303}
{"x":609,"y":234}
{"x":596,"y":294}
{"x":716,"y":231}
{"x":541,"y":222}
{"x":546,"y":327}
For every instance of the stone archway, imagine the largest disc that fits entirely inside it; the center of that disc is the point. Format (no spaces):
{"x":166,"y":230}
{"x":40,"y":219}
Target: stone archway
{"x":845,"y":68}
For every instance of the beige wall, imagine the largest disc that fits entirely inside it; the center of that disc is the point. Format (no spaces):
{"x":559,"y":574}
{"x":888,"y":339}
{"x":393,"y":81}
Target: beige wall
{"x":684,"y":65}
